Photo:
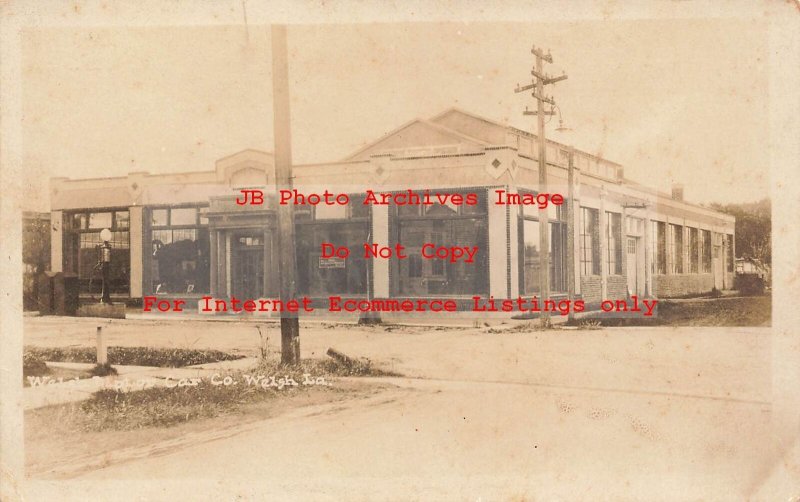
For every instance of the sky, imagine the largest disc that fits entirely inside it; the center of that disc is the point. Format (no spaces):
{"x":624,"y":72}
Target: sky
{"x":676,"y":100}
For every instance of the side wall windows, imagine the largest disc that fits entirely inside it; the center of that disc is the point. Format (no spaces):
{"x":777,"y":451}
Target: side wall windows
{"x":694,"y":251}
{"x":590,"y":241}
{"x":614,"y":236}
{"x":676,"y":248}
{"x":706,"y":251}
{"x":659,"y":247}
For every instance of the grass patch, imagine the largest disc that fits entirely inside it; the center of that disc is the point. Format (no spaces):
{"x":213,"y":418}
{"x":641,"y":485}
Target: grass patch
{"x":526,"y":327}
{"x":322,"y":367}
{"x":33,"y":364}
{"x":109,"y":409}
{"x":59,"y":443}
{"x":102,"y":370}
{"x":739,"y":311}
{"x":131,"y":356}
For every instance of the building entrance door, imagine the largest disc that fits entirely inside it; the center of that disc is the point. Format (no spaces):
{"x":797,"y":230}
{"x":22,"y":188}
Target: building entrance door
{"x":632,"y":266}
{"x":718,"y":267}
{"x":247,"y":266}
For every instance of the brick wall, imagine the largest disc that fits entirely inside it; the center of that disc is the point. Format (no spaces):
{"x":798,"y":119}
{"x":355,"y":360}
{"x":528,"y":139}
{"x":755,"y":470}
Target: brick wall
{"x":591,"y":289}
{"x":665,"y":286}
{"x":617,"y":287}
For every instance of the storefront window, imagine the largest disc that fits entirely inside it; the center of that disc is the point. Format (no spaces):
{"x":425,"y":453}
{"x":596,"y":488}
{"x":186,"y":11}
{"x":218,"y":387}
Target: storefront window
{"x":179,"y":253}
{"x":439,"y":224}
{"x":530,"y":280}
{"x":340,"y":226}
{"x":82,"y":249}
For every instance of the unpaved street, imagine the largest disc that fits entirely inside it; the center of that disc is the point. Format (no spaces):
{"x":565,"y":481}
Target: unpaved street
{"x":655,"y":413}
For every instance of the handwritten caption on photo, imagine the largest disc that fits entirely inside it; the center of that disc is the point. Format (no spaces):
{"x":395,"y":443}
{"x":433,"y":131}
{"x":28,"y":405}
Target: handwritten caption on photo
{"x":278,"y":382}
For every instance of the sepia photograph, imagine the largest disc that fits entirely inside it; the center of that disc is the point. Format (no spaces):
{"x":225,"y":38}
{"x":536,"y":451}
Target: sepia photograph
{"x":276,"y":251}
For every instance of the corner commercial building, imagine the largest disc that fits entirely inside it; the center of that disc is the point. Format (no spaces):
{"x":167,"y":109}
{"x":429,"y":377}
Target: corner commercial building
{"x":182,"y":235}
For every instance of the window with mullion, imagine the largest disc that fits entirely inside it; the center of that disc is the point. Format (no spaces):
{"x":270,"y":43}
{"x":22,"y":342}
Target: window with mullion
{"x":676,"y":248}
{"x":694,"y":251}
{"x":81,"y":247}
{"x":590,"y":242}
{"x":614,"y":236}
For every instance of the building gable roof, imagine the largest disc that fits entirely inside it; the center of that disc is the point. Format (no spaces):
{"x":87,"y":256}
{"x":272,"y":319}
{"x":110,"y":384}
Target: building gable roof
{"x":247,"y":163}
{"x":486,"y":130}
{"x":417,"y":133}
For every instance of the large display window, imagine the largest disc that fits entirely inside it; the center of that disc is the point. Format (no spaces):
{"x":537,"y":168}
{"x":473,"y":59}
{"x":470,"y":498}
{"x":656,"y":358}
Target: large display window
{"x":529,"y":247}
{"x":82,"y":248}
{"x":179,"y":250}
{"x":341,"y":226}
{"x":441,"y":224}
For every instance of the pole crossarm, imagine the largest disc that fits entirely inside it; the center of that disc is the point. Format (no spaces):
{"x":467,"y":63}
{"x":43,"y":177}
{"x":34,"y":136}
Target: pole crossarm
{"x":524,"y":88}
{"x":553,"y":80}
{"x":534,"y":112}
{"x":540,"y":54}
{"x":544,"y":99}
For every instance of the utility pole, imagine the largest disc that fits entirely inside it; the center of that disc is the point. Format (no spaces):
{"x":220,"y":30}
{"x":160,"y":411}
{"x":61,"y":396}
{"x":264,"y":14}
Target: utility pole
{"x":287,"y":269}
{"x":540,"y":79}
{"x":571,"y":231}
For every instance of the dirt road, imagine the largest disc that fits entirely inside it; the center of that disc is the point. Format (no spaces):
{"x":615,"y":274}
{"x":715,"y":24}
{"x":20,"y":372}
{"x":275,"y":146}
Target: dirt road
{"x":655,"y":414}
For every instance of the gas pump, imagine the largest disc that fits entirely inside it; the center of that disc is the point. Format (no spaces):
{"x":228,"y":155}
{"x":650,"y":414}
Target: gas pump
{"x":104,"y":261}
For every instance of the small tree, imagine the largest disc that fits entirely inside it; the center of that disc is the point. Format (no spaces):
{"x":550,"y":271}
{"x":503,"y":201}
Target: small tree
{"x":35,"y":254}
{"x":753,"y":228}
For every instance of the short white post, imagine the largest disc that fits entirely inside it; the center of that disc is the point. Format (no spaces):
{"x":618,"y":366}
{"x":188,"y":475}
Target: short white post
{"x":102,"y":352}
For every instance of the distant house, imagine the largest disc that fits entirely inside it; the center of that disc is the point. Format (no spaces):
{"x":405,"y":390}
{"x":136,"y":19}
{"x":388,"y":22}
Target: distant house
{"x":753,"y":266}
{"x":183,"y":235}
